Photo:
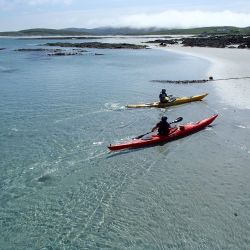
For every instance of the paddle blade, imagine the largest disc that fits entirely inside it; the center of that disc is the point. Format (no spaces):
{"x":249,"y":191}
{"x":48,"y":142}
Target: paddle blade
{"x":179,"y":119}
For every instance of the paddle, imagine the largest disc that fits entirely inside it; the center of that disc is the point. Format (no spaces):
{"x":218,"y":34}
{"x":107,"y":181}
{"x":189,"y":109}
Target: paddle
{"x":175,"y":121}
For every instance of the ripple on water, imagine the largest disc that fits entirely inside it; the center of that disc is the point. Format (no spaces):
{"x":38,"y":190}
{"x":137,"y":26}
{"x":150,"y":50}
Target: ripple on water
{"x":7,"y":70}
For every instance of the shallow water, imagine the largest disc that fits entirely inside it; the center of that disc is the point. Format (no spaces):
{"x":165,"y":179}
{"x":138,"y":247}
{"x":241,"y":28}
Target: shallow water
{"x":62,"y":189}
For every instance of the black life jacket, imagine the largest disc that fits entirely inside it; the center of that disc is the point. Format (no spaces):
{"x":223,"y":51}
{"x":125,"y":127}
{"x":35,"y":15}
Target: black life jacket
{"x":163,"y":128}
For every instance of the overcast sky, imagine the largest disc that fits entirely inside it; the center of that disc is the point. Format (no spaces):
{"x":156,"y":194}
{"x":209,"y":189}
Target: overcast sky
{"x":24,"y":14}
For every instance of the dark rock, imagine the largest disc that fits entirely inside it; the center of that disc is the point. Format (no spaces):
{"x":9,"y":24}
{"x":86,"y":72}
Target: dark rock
{"x":181,"y":81}
{"x":216,"y":41}
{"x":164,"y":41}
{"x":38,"y":50}
{"x":99,"y":45}
{"x":248,"y":45}
{"x":64,"y":54}
{"x":80,"y":50}
{"x":242,"y":46}
{"x":2,"y":48}
{"x":24,"y":50}
{"x":55,"y":52}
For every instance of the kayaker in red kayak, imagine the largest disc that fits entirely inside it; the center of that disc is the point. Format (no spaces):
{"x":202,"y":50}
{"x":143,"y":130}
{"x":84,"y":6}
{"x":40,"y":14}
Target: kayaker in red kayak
{"x":174,"y":134}
{"x":163,"y":126}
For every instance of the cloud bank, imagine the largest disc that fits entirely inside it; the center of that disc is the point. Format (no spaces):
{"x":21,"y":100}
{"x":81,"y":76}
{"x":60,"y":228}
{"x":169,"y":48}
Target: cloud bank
{"x":118,"y":18}
{"x":176,"y":19}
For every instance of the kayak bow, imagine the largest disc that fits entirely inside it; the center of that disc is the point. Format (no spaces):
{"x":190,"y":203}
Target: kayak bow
{"x":177,"y":101}
{"x":175,"y":133}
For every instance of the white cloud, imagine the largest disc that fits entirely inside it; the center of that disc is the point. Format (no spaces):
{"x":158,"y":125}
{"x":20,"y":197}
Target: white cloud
{"x":176,"y":18}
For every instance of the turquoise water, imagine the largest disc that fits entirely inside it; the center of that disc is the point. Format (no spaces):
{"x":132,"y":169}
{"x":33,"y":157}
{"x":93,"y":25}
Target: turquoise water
{"x":62,"y":189}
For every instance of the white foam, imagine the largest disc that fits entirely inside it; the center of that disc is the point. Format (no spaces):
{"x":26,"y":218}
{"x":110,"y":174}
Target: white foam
{"x":114,"y":106}
{"x":98,"y":143}
{"x":241,"y":126}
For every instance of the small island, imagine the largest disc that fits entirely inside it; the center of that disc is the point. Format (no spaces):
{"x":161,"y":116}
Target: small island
{"x":35,"y":50}
{"x":98,"y":45}
{"x":54,"y":52}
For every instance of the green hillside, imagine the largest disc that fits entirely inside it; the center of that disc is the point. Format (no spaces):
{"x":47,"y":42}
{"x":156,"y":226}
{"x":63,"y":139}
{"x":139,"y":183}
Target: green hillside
{"x":42,"y":32}
{"x":128,"y":31}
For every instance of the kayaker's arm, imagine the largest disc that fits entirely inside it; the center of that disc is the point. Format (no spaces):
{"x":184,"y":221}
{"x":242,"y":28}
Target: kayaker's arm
{"x":155,"y":127}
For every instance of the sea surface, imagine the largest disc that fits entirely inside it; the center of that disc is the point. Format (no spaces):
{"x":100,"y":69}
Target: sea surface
{"x":61,"y":188}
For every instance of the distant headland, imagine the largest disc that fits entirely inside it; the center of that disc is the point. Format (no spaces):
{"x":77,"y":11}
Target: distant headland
{"x":220,"y":30}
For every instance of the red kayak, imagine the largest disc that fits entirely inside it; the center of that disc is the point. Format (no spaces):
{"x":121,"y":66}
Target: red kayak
{"x":175,"y":133}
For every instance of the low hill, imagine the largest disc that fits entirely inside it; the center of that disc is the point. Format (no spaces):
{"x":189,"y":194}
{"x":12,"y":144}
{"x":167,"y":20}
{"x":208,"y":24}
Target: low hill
{"x":43,"y":32}
{"x":128,"y":31}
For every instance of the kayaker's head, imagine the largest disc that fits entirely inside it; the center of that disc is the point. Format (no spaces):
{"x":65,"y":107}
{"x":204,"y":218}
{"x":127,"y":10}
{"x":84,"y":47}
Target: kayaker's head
{"x":164,"y":119}
{"x":163,"y":91}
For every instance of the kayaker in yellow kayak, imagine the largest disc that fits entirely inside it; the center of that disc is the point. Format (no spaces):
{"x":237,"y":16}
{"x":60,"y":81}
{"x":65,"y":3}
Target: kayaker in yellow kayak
{"x":163,"y":126}
{"x":163,"y":96}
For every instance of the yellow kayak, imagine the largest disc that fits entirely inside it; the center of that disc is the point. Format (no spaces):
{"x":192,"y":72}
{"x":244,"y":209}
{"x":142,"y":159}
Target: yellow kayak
{"x":176,"y":101}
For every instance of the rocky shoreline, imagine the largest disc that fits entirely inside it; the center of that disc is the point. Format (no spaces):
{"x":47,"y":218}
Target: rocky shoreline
{"x":227,"y":41}
{"x":98,"y":45}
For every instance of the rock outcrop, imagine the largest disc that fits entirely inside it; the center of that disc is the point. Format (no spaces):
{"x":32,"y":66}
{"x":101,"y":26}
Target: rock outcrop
{"x":164,"y":41}
{"x":98,"y":45}
{"x":229,"y":41}
{"x":216,"y":41}
{"x":55,"y":52}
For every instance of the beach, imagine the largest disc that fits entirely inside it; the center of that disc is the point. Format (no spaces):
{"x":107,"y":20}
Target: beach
{"x":225,"y":63}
